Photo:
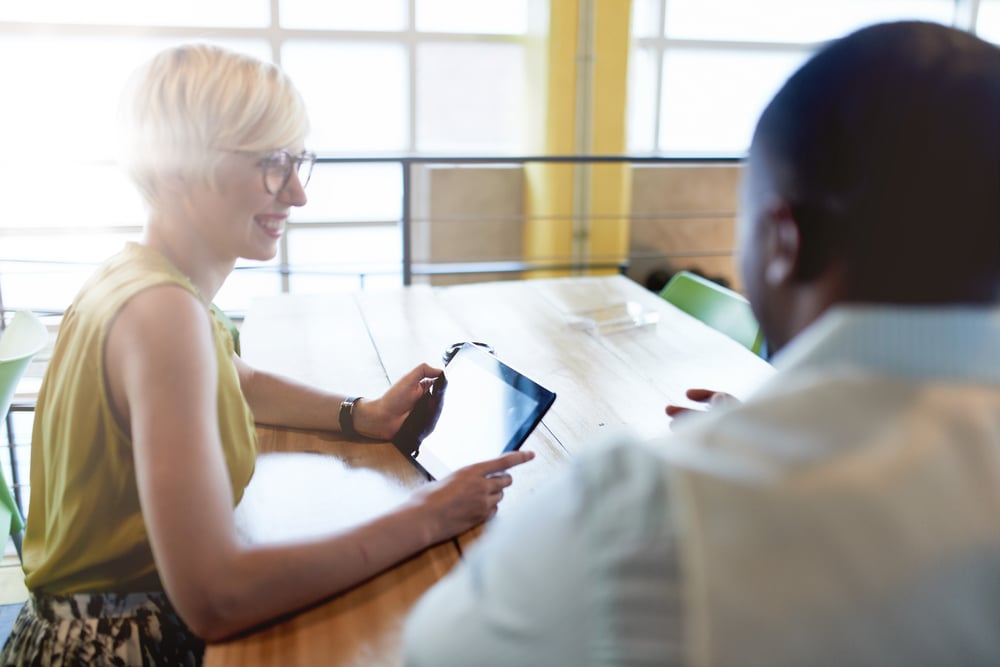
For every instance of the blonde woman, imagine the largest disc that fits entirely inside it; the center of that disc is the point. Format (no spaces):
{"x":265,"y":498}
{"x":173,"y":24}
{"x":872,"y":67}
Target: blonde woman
{"x":144,"y":431}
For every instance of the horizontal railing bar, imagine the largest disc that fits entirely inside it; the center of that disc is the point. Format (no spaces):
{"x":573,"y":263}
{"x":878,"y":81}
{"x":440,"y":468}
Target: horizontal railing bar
{"x":521,"y":159}
{"x":466,"y":268}
{"x":41,"y":230}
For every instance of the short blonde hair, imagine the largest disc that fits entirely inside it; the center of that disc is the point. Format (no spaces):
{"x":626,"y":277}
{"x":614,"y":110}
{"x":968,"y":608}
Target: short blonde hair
{"x":189,"y":105}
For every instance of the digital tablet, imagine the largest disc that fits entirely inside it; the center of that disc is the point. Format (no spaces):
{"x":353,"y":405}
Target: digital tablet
{"x":477,"y":410}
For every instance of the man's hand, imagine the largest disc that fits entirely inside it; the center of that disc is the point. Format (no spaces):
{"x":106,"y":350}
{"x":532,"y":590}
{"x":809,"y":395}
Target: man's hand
{"x":707,"y":397}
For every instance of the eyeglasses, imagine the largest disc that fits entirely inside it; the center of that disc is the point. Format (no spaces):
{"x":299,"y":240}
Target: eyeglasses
{"x":277,"y":169}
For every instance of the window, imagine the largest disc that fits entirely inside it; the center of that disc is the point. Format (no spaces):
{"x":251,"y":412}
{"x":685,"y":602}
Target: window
{"x":702,"y":70}
{"x":378,"y":81}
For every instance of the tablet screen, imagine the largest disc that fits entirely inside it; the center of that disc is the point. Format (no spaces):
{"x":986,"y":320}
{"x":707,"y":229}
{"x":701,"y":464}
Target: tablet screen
{"x":477,"y":410}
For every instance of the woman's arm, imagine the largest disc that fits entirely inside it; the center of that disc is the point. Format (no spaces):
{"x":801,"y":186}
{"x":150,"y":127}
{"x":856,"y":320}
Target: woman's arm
{"x":162,"y":376}
{"x":281,"y":401}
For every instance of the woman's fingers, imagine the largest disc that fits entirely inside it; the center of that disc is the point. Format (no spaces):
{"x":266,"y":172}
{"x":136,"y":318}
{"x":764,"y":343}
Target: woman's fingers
{"x":501,"y":464}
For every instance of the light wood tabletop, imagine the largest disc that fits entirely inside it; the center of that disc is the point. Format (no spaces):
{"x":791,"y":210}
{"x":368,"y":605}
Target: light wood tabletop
{"x":614,"y":353}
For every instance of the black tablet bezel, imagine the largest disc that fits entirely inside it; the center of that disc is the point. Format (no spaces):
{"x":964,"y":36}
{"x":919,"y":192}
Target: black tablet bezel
{"x":407,"y":440}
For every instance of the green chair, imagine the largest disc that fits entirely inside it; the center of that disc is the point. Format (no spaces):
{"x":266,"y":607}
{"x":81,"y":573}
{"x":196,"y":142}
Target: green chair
{"x":23,"y":338}
{"x":719,"y":307}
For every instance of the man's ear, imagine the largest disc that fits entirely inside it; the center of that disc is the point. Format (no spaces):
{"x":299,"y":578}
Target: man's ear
{"x":784,"y":245}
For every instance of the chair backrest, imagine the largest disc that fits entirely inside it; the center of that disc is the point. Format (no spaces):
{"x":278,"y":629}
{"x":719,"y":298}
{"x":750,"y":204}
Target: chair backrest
{"x":719,"y":307}
{"x":23,"y":338}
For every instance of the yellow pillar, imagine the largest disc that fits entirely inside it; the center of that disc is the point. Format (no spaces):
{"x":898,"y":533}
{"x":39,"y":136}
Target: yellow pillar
{"x":583,"y":97}
{"x":610,"y":184}
{"x":548,"y":233}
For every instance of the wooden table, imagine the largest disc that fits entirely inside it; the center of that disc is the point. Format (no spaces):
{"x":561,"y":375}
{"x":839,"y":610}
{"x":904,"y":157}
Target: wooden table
{"x":605,"y":378}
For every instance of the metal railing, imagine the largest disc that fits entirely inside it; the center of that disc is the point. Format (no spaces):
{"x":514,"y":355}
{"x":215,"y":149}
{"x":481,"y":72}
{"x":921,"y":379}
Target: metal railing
{"x":410,"y":268}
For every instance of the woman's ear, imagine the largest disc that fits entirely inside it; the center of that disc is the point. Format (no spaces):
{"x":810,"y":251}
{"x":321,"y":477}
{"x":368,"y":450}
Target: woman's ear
{"x":171,"y":182}
{"x":784,"y":245}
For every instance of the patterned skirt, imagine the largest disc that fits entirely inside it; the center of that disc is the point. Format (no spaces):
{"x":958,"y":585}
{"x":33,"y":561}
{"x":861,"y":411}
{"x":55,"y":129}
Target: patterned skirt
{"x":100,"y":629}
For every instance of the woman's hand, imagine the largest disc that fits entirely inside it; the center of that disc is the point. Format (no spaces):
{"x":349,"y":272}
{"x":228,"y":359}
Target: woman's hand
{"x":468,"y":496}
{"x":707,"y":397}
{"x":380,"y":418}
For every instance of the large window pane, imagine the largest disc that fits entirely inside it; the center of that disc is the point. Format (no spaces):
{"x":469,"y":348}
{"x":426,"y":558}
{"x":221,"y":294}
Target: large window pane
{"x":793,"y":21}
{"x":642,"y":101}
{"x":60,"y":193}
{"x":345,"y":257}
{"x":988,"y":20}
{"x":506,"y":17}
{"x":470,"y":98}
{"x":69,"y":90}
{"x":341,"y":248}
{"x":243,"y":13}
{"x":44,"y":272}
{"x":711,"y":98}
{"x":344,"y":14}
{"x":249,"y":280}
{"x":356,"y":93}
{"x":353,"y":193}
{"x":646,"y":18}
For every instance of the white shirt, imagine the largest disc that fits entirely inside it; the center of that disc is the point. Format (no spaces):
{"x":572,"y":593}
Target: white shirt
{"x":633,"y":556}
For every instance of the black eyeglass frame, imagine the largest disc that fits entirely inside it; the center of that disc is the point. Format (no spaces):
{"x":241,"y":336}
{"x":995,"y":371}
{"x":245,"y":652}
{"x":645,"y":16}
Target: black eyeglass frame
{"x":282,"y":163}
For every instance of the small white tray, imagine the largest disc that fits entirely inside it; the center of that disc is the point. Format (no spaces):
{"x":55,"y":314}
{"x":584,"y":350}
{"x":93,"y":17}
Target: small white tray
{"x":614,"y":318}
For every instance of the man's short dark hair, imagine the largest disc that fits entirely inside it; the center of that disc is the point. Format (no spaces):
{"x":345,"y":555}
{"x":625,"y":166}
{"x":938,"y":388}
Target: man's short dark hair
{"x":886,"y":145}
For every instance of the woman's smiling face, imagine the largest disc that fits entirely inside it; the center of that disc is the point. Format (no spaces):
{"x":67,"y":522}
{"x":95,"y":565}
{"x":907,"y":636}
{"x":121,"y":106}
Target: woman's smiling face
{"x":241,"y":219}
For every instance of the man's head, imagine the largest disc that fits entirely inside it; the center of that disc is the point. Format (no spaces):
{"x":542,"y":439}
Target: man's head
{"x":874,"y":176}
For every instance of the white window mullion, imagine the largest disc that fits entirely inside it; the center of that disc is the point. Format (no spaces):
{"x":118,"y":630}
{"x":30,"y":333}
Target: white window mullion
{"x":411,"y":51}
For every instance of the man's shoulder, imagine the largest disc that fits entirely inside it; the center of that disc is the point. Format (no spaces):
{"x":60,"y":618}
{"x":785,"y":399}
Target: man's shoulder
{"x":622,"y":483}
{"x":621,"y":455}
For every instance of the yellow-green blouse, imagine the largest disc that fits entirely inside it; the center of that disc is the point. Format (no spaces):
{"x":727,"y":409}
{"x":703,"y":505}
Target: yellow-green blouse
{"x":85,"y":531}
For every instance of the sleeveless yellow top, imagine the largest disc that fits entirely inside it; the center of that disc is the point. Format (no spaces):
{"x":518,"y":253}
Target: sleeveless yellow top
{"x":85,"y":531}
